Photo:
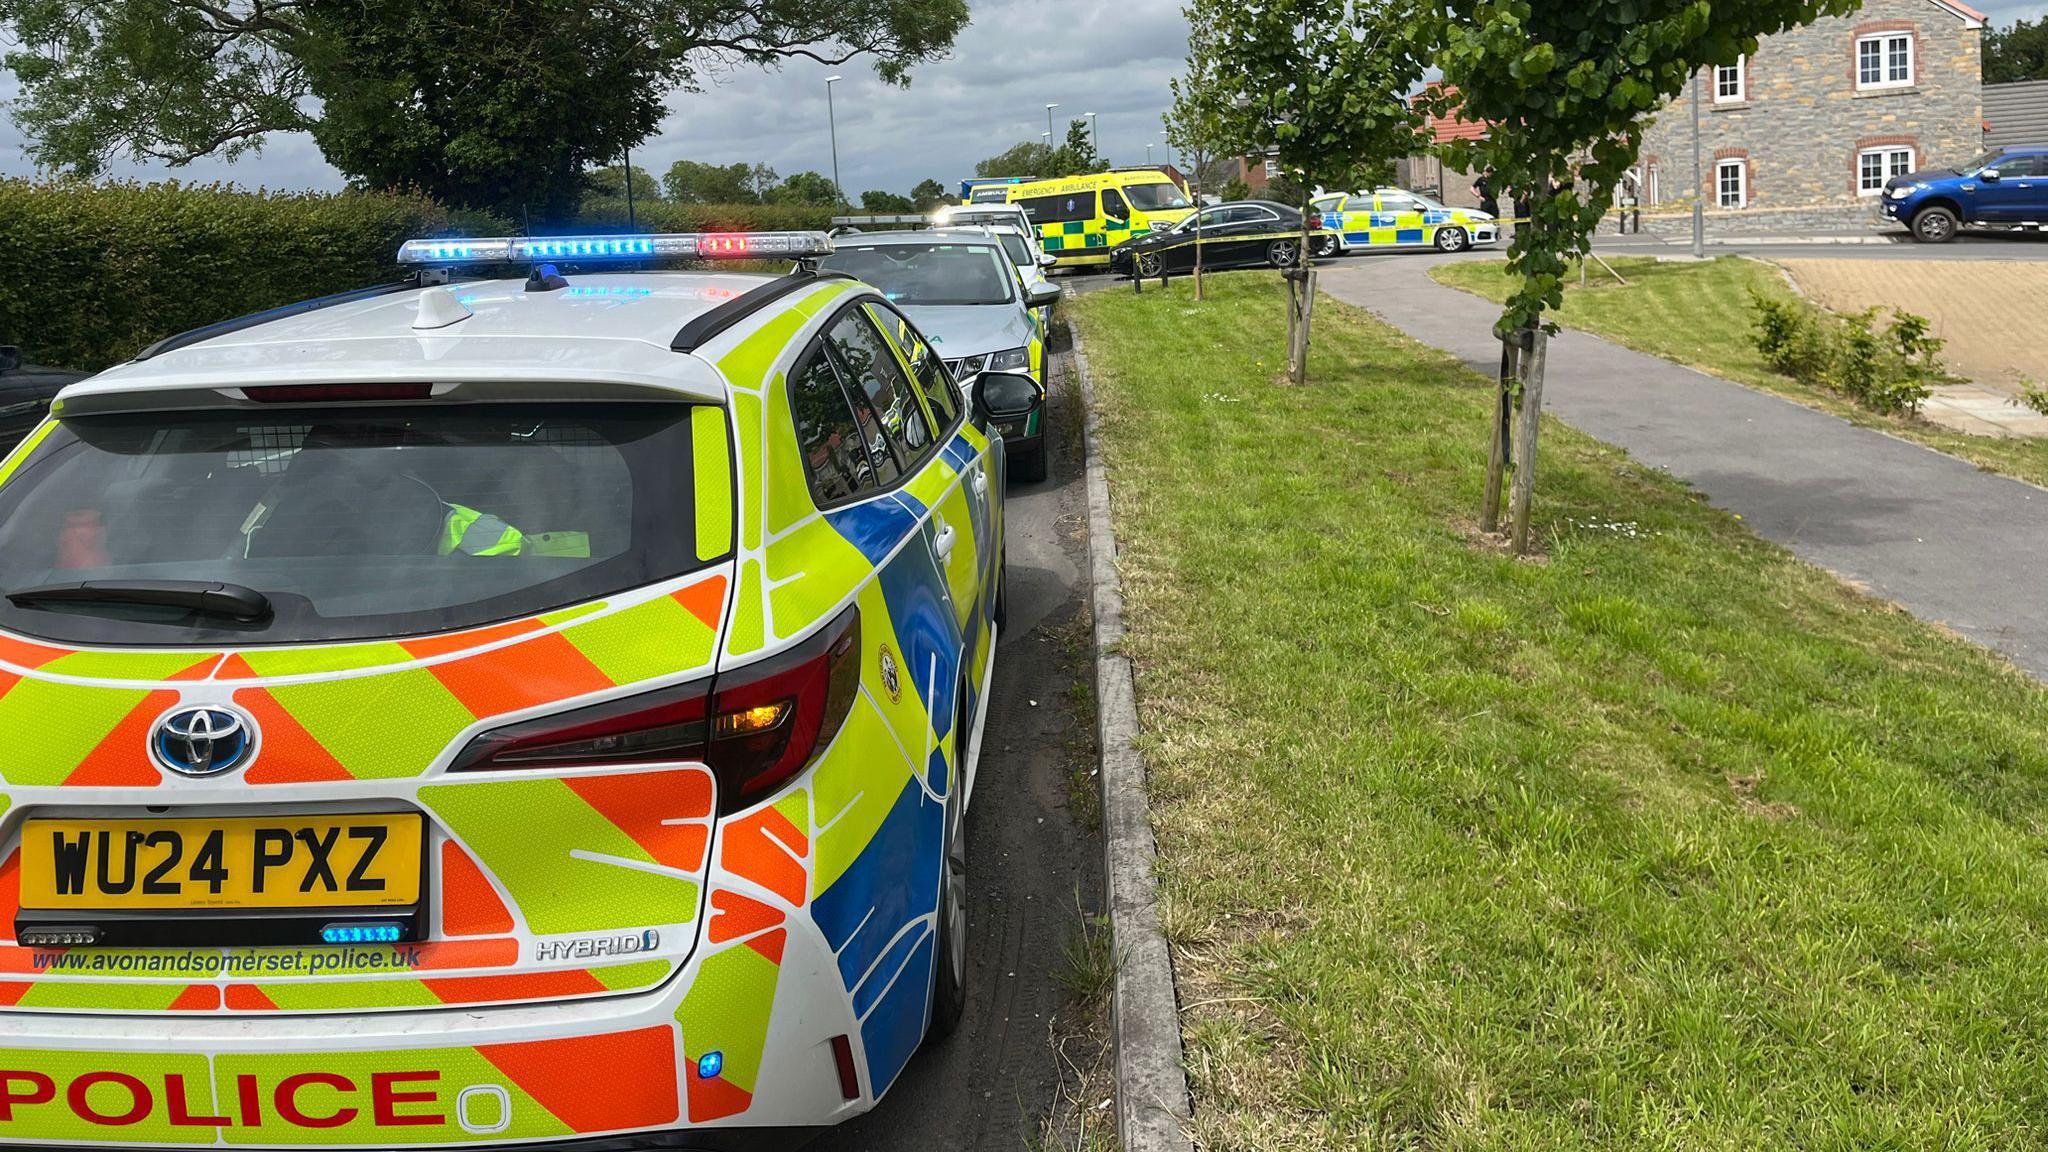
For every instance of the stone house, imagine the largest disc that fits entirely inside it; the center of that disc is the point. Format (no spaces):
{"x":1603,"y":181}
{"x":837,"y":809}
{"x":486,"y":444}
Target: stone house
{"x":1802,"y":134}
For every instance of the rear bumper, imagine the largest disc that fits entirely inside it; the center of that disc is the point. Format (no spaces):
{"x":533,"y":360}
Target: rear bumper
{"x":622,"y":1072}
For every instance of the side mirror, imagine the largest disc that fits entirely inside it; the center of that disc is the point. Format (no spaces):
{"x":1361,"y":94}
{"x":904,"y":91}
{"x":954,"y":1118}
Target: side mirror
{"x":1041,"y":295}
{"x":1007,"y":395}
{"x":1047,"y":260}
{"x":1989,"y":176}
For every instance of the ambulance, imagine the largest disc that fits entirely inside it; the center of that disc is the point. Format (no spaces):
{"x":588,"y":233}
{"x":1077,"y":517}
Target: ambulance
{"x":1080,"y":218}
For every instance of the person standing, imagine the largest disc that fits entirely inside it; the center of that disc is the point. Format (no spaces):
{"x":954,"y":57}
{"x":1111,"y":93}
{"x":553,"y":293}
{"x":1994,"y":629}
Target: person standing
{"x":1489,"y":200}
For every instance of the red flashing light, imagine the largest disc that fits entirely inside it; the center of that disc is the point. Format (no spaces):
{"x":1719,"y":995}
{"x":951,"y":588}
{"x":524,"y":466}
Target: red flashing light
{"x":724,"y":244}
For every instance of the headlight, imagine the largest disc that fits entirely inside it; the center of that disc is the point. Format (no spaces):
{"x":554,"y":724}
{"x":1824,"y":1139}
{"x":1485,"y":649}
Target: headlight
{"x":1010,"y":360}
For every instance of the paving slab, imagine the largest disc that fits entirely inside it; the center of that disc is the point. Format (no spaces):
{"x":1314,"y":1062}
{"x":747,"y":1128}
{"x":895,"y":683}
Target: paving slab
{"x":1951,"y":543}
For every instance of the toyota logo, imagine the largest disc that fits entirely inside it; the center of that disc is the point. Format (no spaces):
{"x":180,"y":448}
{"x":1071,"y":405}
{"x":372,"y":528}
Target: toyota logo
{"x":202,"y":741}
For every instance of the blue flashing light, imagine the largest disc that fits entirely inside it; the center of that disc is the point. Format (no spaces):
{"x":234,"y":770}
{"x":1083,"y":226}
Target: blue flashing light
{"x":361,"y":934}
{"x":710,"y":1064}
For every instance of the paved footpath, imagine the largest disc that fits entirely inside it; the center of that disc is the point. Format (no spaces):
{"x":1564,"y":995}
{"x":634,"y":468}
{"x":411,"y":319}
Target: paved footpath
{"x":1950,"y":542}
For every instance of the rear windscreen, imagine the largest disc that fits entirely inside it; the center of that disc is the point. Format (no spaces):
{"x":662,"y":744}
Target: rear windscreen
{"x":352,"y":522}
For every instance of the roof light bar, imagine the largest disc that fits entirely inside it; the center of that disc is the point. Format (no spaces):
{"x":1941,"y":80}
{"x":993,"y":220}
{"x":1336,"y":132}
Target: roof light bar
{"x":684,"y":245}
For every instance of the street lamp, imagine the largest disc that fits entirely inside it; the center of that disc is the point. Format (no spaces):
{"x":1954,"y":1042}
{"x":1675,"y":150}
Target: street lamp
{"x":1169,"y":146}
{"x":1048,"y":120}
{"x":1094,"y":137}
{"x":1148,"y":155}
{"x":832,"y":124}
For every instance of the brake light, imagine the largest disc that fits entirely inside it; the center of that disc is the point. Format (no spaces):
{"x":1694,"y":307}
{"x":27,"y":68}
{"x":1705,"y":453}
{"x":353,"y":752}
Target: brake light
{"x":773,"y":717}
{"x":656,"y":727}
{"x":331,"y":393}
{"x":756,"y":727}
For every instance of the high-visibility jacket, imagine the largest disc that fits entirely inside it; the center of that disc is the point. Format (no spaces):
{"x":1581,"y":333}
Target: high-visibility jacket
{"x":479,"y":534}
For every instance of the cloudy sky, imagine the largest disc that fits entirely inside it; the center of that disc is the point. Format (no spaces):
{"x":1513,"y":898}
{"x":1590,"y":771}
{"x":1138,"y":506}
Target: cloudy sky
{"x":1016,"y":57}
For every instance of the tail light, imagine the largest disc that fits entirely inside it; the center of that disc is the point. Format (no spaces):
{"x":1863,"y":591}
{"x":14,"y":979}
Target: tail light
{"x":756,"y":727}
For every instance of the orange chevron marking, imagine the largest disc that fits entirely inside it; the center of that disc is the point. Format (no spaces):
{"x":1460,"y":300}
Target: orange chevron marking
{"x":197,"y":998}
{"x":11,"y":991}
{"x":469,"y":905}
{"x":754,"y":848}
{"x":23,"y":654}
{"x":598,"y":1083}
{"x":431,"y":646}
{"x":122,"y":759}
{"x":734,"y":916}
{"x":716,"y":1098}
{"x":10,"y":892}
{"x":234,"y":668}
{"x":248,"y":998}
{"x":543,"y":670}
{"x":289,"y":754}
{"x":705,"y":599}
{"x":770,"y":946}
{"x":528,"y":986}
{"x":638,"y":802}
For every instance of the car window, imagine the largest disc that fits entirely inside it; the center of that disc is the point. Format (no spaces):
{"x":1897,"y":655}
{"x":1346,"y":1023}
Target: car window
{"x":1358,"y":204}
{"x":1156,"y":197}
{"x":1113,"y":205}
{"x":354,"y":521}
{"x":839,"y":456}
{"x":875,"y":377}
{"x":1020,"y":252}
{"x":1394,"y":202}
{"x":2041,"y":165}
{"x":1058,"y":209}
{"x":1253,"y":214}
{"x":935,"y":274}
{"x":927,"y":371}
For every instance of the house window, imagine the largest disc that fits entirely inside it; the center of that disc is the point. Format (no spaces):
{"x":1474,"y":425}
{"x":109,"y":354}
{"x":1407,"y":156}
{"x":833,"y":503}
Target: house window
{"x":1884,"y":60}
{"x":1731,"y":181}
{"x":1272,"y":169}
{"x":1731,"y":82}
{"x":1876,"y":166}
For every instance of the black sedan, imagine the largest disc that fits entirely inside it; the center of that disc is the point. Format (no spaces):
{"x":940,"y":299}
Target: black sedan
{"x":1242,"y":234}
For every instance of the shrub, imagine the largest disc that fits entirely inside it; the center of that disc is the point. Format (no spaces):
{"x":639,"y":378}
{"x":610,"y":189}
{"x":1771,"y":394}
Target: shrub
{"x":97,"y":272}
{"x":1892,"y":371}
{"x":663,"y":216}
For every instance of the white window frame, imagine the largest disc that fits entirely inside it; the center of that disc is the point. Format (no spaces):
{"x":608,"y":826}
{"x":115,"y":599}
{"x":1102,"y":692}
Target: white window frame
{"x":1741,"y":183}
{"x":1272,"y":169}
{"x":1653,"y":187}
{"x":1887,"y":168}
{"x":1739,"y":72}
{"x":1884,"y":42}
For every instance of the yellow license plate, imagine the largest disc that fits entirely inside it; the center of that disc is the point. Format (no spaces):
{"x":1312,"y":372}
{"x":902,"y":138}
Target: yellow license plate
{"x":244,"y":862}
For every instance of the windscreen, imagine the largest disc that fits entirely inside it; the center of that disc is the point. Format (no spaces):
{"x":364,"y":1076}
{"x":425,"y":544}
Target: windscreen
{"x":352,"y":522}
{"x":1020,"y":252}
{"x":1156,"y":197}
{"x":928,"y":274}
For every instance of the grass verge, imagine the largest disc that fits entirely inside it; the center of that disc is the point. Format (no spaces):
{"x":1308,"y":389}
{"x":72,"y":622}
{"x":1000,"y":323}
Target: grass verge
{"x":1699,"y":315}
{"x":1665,"y":841}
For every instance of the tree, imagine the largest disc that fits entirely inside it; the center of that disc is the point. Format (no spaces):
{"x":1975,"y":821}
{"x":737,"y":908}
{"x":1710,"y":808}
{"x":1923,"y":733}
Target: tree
{"x":929,"y":194}
{"x":2017,"y":53}
{"x":763,"y":180}
{"x":1031,"y":158}
{"x":1195,"y":124}
{"x":1236,"y":189}
{"x":476,"y":102}
{"x":804,"y":188}
{"x":694,"y":182}
{"x":878,"y":201}
{"x":1563,"y":90}
{"x":609,"y":182}
{"x":1320,"y":86}
{"x":1076,"y":156}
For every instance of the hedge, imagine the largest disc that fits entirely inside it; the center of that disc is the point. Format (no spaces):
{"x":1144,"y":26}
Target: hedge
{"x":95,"y":273}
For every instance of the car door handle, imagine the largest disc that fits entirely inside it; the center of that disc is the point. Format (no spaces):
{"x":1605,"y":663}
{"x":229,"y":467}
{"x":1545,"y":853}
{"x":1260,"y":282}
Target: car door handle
{"x":944,"y":544}
{"x":981,"y":483}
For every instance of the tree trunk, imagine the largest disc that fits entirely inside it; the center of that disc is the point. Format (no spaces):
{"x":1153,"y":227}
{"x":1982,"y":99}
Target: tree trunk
{"x":1525,"y":446}
{"x":1502,"y":434}
{"x":1301,"y":305}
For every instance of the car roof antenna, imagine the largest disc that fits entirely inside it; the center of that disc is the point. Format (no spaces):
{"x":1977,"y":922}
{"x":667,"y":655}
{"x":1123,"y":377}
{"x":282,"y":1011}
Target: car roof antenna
{"x":545,"y":278}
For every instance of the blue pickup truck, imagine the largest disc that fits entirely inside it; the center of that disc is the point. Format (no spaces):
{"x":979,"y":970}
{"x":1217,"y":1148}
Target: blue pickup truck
{"x":2007,"y":188}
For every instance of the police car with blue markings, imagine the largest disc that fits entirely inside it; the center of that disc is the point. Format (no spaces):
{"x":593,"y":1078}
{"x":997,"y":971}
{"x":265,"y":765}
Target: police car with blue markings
{"x":686,"y":581}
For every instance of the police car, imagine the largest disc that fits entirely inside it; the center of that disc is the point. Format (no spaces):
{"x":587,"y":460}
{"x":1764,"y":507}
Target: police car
{"x":469,"y":712}
{"x":1391,"y":219}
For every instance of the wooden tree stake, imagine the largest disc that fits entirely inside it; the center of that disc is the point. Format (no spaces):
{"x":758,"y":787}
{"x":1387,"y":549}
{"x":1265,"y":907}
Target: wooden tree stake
{"x":1525,"y":443}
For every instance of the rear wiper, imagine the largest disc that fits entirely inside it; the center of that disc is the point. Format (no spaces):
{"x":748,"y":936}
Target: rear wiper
{"x":206,"y":597}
